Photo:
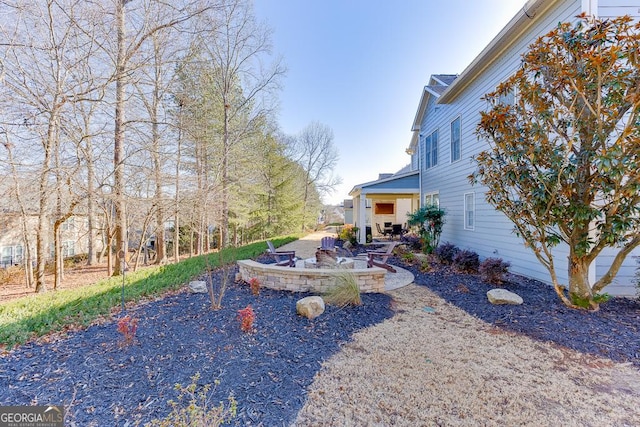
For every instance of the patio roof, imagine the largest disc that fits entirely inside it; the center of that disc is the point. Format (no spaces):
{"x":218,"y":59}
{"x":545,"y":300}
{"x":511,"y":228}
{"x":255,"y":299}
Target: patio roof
{"x":404,"y":181}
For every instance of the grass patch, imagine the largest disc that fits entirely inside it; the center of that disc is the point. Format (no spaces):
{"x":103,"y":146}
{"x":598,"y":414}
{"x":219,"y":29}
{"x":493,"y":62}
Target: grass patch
{"x":36,"y":315}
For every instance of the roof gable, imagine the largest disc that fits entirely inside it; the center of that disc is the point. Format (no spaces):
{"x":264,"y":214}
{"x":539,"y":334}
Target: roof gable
{"x":438,"y":84}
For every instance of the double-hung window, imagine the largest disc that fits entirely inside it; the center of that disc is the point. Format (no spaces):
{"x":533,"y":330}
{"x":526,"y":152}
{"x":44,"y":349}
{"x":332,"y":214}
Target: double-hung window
{"x":469,"y":211}
{"x":455,"y":140}
{"x":432,"y":199}
{"x":431,"y":150}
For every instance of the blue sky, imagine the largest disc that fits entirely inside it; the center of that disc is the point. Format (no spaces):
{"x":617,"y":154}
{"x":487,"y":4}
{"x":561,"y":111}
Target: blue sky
{"x":359,"y":67}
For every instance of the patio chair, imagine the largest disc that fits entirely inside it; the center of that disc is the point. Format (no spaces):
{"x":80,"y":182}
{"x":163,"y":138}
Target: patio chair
{"x":282,"y":258}
{"x":396,"y":230}
{"x":328,"y":243}
{"x":379,"y":258}
{"x":381,"y":231}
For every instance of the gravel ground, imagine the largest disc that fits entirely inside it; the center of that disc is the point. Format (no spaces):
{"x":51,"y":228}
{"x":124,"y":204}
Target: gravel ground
{"x":612,"y":332}
{"x":450,"y":358}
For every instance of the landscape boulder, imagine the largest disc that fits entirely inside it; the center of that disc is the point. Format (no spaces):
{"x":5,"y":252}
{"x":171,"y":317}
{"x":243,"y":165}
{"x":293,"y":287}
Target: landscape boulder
{"x":310,"y":307}
{"x":502,"y":296}
{"x":198,"y":287}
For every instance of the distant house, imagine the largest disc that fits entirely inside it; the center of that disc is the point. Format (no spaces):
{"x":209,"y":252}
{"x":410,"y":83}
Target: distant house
{"x":444,"y":141}
{"x":74,"y":237}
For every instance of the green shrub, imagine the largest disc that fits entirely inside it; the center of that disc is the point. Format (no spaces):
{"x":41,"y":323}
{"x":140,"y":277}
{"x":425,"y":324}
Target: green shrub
{"x":349,"y":233}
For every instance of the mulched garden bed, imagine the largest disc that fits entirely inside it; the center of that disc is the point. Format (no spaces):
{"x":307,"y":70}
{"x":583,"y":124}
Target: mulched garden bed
{"x":612,"y":332}
{"x":104,"y":383}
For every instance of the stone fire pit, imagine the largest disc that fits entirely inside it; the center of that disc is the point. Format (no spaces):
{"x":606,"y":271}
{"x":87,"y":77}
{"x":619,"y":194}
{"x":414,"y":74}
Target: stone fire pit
{"x":340,"y":263}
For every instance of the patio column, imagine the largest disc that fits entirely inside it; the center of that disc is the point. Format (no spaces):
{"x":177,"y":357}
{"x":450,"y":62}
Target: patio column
{"x":362,"y":219}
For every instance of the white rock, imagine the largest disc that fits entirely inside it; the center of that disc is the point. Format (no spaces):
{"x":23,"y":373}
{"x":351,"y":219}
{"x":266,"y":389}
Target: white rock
{"x":198,"y":287}
{"x":310,"y":307}
{"x":502,"y":296}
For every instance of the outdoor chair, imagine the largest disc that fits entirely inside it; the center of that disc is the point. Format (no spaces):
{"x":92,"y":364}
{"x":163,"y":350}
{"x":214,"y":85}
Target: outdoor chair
{"x":379,"y":258}
{"x":381,"y":231}
{"x":328,"y":243}
{"x":282,"y":258}
{"x":396,"y":230}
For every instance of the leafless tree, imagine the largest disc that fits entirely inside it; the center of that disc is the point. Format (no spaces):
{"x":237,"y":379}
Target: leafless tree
{"x":42,"y":79}
{"x":315,"y":152}
{"x":151,"y":17}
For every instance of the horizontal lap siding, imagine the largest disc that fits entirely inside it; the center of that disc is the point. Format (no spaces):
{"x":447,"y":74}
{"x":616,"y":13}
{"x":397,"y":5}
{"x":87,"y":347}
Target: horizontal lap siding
{"x":493,"y":236}
{"x":625,"y":276}
{"x":613,"y":8}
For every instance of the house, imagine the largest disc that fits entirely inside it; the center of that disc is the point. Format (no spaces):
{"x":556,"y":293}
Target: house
{"x":444,"y":141}
{"x":73,"y":237}
{"x":385,"y":200}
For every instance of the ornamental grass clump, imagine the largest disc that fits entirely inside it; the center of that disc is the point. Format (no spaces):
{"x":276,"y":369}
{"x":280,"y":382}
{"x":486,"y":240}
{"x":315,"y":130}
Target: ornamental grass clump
{"x":346,"y":291}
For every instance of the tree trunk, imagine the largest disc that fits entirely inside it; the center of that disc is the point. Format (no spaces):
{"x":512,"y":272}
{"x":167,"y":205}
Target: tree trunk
{"x":91,"y":251}
{"x":224,"y":226}
{"x":118,"y":149}
{"x":579,"y":286}
{"x":176,"y":224}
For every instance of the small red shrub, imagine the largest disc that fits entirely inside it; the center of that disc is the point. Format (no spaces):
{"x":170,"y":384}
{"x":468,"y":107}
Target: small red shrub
{"x":254,"y":284}
{"x":128,"y":326}
{"x":246,"y":316}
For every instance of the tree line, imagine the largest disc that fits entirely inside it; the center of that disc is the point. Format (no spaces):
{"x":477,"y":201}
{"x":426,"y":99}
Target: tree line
{"x":143,"y":113}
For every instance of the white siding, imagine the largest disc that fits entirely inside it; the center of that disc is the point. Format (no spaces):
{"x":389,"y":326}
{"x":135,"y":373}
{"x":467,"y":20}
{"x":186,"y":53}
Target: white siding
{"x":613,"y":8}
{"x":492,"y":235}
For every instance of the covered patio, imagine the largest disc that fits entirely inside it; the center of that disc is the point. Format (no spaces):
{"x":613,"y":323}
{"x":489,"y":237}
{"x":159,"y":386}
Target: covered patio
{"x":386,"y":200}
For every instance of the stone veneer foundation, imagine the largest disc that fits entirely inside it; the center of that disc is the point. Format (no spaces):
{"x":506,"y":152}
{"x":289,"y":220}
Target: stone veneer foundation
{"x":298,"y":279}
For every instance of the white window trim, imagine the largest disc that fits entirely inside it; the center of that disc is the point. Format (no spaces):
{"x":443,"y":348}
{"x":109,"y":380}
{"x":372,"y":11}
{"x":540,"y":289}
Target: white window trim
{"x":472,"y":210}
{"x":451,"y":160}
{"x":430,"y":197}
{"x":428,"y":150}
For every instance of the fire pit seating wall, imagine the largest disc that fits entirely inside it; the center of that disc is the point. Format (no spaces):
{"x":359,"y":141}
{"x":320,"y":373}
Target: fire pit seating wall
{"x":298,"y":279}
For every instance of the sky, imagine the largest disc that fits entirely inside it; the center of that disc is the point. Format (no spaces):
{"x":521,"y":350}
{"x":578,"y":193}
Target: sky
{"x":359,"y":67}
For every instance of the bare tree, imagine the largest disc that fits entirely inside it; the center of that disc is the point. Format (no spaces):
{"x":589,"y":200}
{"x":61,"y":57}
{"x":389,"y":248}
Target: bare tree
{"x":315,"y":152}
{"x":41,"y":81}
{"x":166,"y":16}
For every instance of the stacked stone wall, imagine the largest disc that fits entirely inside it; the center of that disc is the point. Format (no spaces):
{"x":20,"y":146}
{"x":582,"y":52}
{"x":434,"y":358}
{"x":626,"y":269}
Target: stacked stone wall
{"x":308,"y":280}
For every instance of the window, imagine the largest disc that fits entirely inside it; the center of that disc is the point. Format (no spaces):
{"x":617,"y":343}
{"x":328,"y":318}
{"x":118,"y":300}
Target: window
{"x":431,"y":150}
{"x":6,"y":255}
{"x":432,"y":199}
{"x":18,"y":253}
{"x":69,"y":224}
{"x":455,"y":140}
{"x":384,"y":209}
{"x":68,"y":248}
{"x":469,"y":211}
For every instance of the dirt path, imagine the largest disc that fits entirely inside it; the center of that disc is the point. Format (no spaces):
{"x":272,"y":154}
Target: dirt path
{"x":448,"y":368}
